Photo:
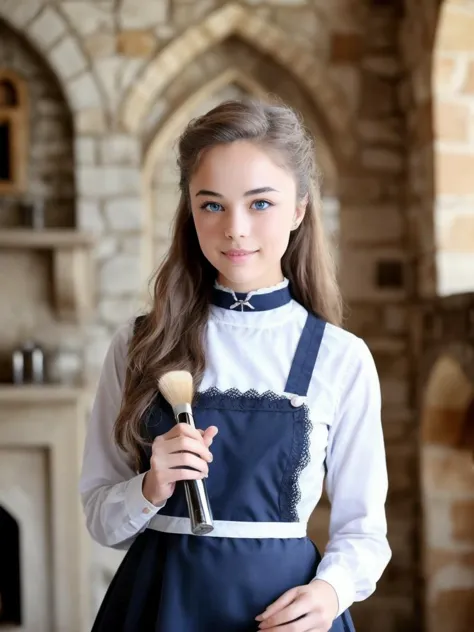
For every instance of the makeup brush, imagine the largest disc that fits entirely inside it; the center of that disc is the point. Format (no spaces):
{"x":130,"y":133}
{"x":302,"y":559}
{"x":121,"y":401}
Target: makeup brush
{"x":177,"y":388}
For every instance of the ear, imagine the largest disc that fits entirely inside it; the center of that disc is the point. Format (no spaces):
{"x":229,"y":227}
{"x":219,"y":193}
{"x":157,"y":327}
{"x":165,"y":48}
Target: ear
{"x":300,"y":212}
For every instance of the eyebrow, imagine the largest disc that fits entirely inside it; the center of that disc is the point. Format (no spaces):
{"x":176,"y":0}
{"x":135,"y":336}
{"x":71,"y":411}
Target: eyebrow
{"x":251,"y":192}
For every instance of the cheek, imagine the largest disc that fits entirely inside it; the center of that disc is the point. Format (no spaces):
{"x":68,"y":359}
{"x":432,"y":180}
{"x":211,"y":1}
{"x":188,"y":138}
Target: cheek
{"x":276,"y":235}
{"x":205,"y":228}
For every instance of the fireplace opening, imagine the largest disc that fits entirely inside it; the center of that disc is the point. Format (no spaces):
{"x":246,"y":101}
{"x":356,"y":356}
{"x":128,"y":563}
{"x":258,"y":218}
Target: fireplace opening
{"x":10,"y":585}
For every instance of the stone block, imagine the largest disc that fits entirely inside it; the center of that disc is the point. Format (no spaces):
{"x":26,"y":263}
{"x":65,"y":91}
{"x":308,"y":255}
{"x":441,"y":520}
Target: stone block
{"x":91,"y":121}
{"x":47,"y":27}
{"x":455,"y":272}
{"x":444,"y":72}
{"x":447,"y":471}
{"x":373,"y":224}
{"x":124,"y":213}
{"x":120,"y":275}
{"x":88,"y":17}
{"x":142,"y":14}
{"x":117,"y":311}
{"x":85,"y":150}
{"x":454,"y":173}
{"x":100,"y":44}
{"x":468,"y":85}
{"x":89,"y":216}
{"x":106,"y":248}
{"x":108,"y":70}
{"x":381,"y":159}
{"x":120,"y":150}
{"x":452,"y":121}
{"x":383,"y":132}
{"x":83,"y":92}
{"x":67,"y":58}
{"x":131,"y":245}
{"x":455,"y":32}
{"x":136,"y":43}
{"x":108,"y":181}
{"x":462,"y":516}
{"x":20,"y":13}
{"x":456,"y":230}
{"x":129,"y":69}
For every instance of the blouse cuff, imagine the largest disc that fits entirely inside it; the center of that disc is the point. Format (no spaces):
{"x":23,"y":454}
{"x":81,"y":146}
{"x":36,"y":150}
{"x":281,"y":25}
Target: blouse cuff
{"x":139,"y":509}
{"x":338,"y":578}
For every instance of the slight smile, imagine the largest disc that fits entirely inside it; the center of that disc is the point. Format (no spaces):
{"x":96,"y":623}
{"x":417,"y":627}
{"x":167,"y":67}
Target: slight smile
{"x":239,"y":256}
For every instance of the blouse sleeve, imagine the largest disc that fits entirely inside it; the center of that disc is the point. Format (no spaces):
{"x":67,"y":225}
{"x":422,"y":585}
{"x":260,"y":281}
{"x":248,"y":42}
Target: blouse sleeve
{"x":111,"y":492}
{"x":358,"y":551}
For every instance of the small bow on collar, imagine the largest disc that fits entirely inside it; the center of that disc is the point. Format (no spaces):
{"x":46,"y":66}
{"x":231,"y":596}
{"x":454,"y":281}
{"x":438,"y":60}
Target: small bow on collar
{"x":242,"y":303}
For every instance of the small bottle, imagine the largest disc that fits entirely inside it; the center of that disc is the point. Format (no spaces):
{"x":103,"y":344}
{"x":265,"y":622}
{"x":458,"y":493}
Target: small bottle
{"x":18,"y":366}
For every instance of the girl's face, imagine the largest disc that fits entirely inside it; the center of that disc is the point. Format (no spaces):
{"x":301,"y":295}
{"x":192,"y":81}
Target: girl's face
{"x":244,"y":207}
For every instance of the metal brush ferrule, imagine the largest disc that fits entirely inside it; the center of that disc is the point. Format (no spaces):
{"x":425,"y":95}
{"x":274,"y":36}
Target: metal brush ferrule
{"x":182,"y":408}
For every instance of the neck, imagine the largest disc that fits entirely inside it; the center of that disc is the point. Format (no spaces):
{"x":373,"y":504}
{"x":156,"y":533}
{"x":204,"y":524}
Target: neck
{"x":245,"y":288}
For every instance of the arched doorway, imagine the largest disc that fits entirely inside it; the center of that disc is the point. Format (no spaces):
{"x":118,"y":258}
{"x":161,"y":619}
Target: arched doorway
{"x":447,"y":484}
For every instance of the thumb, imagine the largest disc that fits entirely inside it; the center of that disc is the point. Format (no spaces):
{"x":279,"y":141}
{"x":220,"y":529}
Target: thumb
{"x":209,"y":435}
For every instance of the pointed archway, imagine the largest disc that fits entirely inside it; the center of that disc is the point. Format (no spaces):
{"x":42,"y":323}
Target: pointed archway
{"x":235,"y":19}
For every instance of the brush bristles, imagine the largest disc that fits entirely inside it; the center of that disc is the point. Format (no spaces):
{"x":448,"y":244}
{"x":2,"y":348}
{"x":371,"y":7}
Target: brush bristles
{"x":177,"y":387}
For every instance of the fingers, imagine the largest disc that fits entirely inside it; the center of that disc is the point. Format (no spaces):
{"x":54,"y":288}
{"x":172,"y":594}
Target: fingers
{"x":186,"y":444}
{"x":288,"y":597}
{"x":291,"y":614}
{"x":185,"y":460}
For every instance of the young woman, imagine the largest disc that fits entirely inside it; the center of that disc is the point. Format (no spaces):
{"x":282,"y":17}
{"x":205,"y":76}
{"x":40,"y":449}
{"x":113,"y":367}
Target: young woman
{"x":246,"y":301}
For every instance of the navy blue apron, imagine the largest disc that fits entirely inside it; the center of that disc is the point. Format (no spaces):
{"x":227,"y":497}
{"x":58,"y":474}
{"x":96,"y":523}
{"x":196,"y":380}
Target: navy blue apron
{"x":175,"y":582}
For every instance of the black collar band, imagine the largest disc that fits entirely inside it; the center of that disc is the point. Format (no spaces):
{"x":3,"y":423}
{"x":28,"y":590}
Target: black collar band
{"x":249,"y":301}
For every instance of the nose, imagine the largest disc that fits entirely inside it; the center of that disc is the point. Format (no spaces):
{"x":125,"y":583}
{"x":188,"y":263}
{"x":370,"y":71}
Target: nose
{"x":237,"y":223}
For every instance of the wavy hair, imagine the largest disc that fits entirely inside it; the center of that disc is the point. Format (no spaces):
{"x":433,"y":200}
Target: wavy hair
{"x":170,"y":337}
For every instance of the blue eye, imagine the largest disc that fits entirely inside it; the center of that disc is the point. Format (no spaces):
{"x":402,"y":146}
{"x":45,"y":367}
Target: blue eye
{"x":261,"y":205}
{"x":212,"y":207}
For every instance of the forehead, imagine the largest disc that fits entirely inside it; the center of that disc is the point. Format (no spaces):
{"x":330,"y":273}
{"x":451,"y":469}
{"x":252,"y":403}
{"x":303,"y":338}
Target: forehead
{"x":240,"y":166}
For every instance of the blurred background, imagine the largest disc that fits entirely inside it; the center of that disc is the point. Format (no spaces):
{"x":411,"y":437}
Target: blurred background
{"x":92,"y":97}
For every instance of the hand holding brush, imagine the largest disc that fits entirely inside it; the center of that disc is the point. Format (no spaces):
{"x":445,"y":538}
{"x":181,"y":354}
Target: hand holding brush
{"x":177,"y":388}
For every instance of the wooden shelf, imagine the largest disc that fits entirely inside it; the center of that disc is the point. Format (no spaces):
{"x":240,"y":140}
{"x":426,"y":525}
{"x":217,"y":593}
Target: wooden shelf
{"x":41,"y":393}
{"x":72,"y":266}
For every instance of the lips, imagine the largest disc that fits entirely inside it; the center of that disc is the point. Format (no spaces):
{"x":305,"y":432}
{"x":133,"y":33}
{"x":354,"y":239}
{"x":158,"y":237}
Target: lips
{"x":239,"y":253}
{"x":239,"y":256}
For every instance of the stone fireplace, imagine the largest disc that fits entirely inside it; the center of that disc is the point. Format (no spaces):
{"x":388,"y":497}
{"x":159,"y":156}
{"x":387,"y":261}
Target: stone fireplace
{"x":43,"y":585}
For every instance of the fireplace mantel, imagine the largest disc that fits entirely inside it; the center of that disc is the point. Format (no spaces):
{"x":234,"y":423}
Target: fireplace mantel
{"x":72,"y":266}
{"x":39,"y":394}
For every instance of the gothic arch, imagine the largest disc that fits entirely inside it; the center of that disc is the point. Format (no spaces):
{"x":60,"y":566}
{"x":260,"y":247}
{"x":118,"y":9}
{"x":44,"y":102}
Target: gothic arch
{"x":34,"y":20}
{"x":233,"y":19}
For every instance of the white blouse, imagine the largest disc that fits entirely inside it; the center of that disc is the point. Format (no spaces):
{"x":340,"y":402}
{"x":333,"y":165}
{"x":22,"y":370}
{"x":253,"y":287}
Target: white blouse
{"x":344,"y":401}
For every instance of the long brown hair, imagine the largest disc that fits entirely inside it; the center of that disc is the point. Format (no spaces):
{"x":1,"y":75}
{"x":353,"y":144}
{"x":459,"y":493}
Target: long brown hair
{"x":170,"y":336}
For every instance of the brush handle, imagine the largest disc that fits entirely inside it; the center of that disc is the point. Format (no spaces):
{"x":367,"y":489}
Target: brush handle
{"x":199,"y":509}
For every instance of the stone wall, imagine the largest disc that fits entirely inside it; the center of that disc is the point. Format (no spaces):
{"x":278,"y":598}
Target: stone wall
{"x":134,"y":72}
{"x":453,"y":92}
{"x":50,"y":178}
